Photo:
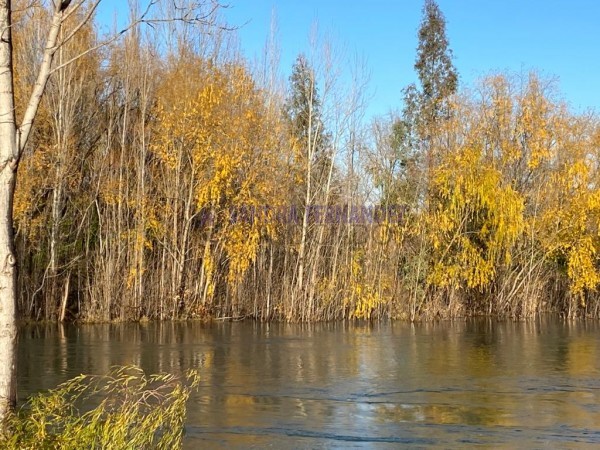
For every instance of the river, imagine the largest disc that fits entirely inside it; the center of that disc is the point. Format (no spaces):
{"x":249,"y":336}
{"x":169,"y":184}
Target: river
{"x":340,"y":385}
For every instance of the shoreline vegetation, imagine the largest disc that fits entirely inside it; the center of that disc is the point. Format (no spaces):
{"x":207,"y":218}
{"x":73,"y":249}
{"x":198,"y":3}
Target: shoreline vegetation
{"x":123,"y":409}
{"x":137,"y":144}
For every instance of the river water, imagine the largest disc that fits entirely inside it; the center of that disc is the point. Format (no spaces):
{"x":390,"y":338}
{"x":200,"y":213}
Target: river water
{"x":444,"y":385}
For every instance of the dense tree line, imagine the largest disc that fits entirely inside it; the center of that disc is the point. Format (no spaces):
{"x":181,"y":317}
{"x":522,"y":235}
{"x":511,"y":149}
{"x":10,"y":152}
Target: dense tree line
{"x":165,"y":179}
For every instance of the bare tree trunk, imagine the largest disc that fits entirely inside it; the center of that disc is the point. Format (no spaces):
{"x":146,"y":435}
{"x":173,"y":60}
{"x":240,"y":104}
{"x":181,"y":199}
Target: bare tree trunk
{"x":8,"y":272}
{"x":269,"y":284}
{"x":65,"y":298}
{"x":8,"y":277}
{"x":304,"y":233}
{"x":12,"y":141}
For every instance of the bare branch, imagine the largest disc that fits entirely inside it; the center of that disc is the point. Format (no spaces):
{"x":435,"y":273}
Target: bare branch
{"x":187,"y":17}
{"x":108,"y":41}
{"x":81,"y":24}
{"x":40,"y":84}
{"x":76,"y":7}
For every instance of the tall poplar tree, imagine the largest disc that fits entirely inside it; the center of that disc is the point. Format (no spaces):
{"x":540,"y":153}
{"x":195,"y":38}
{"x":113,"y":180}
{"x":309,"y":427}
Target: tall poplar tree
{"x":437,"y":76}
{"x":426,"y":105}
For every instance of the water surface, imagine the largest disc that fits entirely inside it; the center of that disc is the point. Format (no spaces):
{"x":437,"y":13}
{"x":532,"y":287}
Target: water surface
{"x":448,"y":384}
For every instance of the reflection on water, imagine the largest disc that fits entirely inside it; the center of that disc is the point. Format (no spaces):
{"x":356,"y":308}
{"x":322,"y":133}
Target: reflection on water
{"x":352,"y":386}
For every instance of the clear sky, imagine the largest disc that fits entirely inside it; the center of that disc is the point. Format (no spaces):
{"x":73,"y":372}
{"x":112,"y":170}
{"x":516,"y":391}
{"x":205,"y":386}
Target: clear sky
{"x":559,"y":38}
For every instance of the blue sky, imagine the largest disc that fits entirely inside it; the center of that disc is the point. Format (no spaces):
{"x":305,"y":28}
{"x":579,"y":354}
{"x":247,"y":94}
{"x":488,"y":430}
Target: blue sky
{"x":559,"y":38}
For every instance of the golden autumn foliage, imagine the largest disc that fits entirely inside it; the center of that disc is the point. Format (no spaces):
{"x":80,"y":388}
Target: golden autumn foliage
{"x":213,"y":127}
{"x":164,"y":180}
{"x":569,"y":223}
{"x":474,"y":222}
{"x":364,"y":296}
{"x":522,"y":178}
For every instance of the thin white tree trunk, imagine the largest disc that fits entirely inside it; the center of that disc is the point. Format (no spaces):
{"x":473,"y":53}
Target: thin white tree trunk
{"x":8,"y":273}
{"x":12,"y":142}
{"x":8,"y":286}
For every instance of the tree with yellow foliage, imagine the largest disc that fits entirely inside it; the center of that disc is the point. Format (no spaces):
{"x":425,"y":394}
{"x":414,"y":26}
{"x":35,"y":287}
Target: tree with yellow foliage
{"x":216,"y":147}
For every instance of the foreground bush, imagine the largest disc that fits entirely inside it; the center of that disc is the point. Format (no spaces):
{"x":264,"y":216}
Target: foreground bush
{"x":125,"y":409}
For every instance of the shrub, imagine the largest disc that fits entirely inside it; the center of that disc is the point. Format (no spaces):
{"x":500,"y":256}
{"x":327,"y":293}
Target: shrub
{"x":125,"y":409}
